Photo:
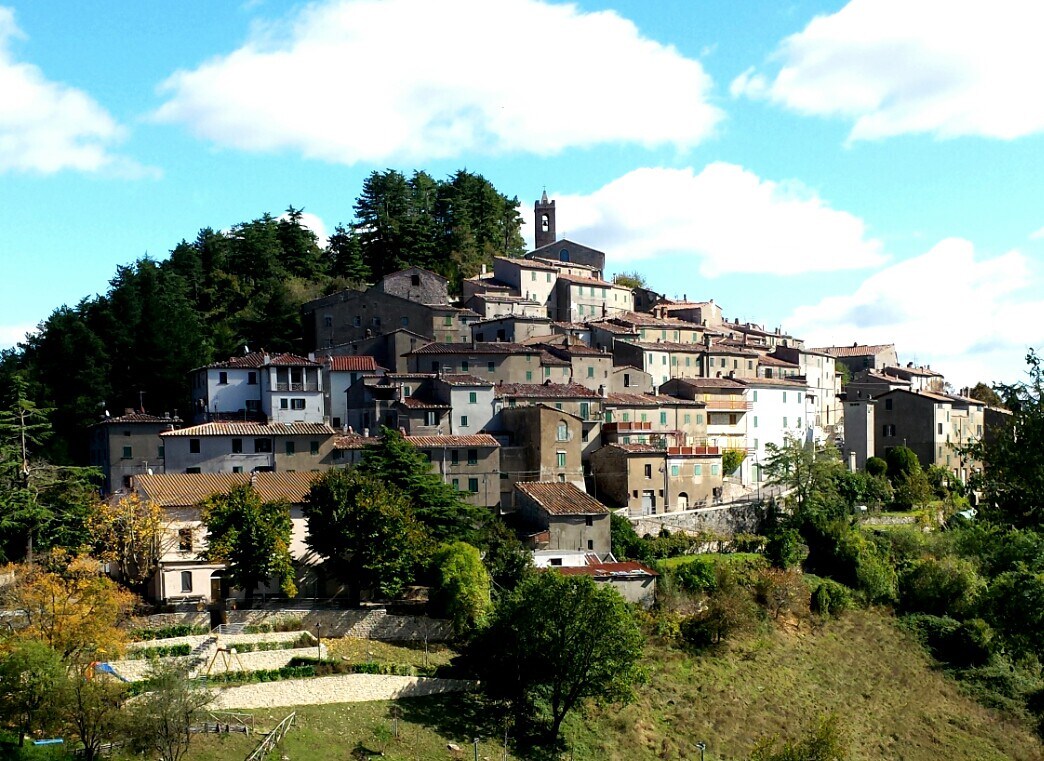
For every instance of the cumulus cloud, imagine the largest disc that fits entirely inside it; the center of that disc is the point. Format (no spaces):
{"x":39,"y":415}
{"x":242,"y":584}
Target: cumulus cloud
{"x":366,"y":81}
{"x":314,"y":223}
{"x":971,"y":317}
{"x":726,"y":218}
{"x":894,"y":67}
{"x":46,"y":126}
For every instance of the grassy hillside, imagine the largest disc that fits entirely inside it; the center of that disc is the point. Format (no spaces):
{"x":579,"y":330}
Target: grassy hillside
{"x":890,"y":701}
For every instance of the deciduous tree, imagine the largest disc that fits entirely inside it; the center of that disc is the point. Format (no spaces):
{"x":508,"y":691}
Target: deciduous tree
{"x":251,"y":537}
{"x":130,"y":533}
{"x":32,"y":678}
{"x":161,"y":720}
{"x":462,"y":589}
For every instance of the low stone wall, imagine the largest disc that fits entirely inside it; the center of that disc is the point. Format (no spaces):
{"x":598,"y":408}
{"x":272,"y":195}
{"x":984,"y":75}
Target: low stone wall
{"x":346,"y":688}
{"x":366,"y":624}
{"x":159,"y":620}
{"x":137,"y":669}
{"x":724,"y":520}
{"x":225,"y":640}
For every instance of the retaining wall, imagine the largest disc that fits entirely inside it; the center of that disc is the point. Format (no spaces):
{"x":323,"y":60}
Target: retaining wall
{"x":724,"y":520}
{"x":345,"y":688}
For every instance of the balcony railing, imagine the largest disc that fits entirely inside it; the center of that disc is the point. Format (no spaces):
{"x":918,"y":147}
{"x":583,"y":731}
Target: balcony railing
{"x":705,"y":450}
{"x":297,"y":387}
{"x":717,"y":404}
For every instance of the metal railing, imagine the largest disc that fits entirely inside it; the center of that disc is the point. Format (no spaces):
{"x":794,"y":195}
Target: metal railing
{"x":273,"y":738}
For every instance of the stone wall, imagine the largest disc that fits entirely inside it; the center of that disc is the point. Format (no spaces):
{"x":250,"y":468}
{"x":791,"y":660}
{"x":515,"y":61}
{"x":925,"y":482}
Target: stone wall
{"x":367,"y":624}
{"x":347,"y":688}
{"x":725,"y":520}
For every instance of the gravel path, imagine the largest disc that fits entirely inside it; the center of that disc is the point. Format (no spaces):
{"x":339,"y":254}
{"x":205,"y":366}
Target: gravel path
{"x":344,"y":688}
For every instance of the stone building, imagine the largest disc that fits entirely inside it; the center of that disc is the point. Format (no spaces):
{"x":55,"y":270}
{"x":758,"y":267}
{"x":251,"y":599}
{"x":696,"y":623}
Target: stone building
{"x":248,"y":447}
{"x":538,"y":443}
{"x":471,"y":463}
{"x":648,"y":479}
{"x":564,"y":517}
{"x":128,"y":445}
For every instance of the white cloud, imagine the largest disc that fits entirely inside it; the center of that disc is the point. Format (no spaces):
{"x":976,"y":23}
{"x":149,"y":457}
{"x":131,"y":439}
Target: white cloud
{"x":314,"y":223}
{"x":360,"y":80}
{"x":1037,"y":234}
{"x":894,"y":67}
{"x":726,"y":218}
{"x":13,"y":334}
{"x":970,"y":317}
{"x":46,"y":126}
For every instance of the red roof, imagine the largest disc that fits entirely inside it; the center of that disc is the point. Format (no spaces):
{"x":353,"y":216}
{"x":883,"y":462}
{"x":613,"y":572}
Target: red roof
{"x":432,"y":442}
{"x":546,"y":390}
{"x":561,"y":498}
{"x":138,"y":417}
{"x":257,"y":359}
{"x":607,"y":570}
{"x":229,"y":428}
{"x":354,"y":363}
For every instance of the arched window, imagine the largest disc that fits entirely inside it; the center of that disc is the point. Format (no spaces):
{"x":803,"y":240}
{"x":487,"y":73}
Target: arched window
{"x":563,"y":431}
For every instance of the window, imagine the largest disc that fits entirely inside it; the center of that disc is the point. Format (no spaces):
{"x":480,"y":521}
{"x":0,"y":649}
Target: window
{"x":755,"y":421}
{"x":529,"y":375}
{"x":405,"y":322}
{"x":627,"y":380}
{"x":648,"y":471}
{"x":532,"y":276}
{"x":784,"y":397}
{"x":193,"y":470}
{"x":590,"y":371}
{"x":590,"y":544}
{"x":473,"y":485}
{"x":784,"y":422}
{"x":472,"y":457}
{"x":697,"y":470}
{"x":313,"y":448}
{"x":490,"y":367}
{"x":714,"y":470}
{"x":558,"y":405}
{"x":463,"y":421}
{"x":560,"y":459}
{"x":161,"y":452}
{"x":456,"y":484}
{"x":585,"y":410}
{"x":184,"y":540}
{"x":589,"y":520}
{"x":237,"y":468}
{"x":237,"y":446}
{"x":472,"y":397}
{"x":430,"y":418}
{"x":263,"y":446}
{"x":126,"y":453}
{"x":584,"y":435}
{"x":448,"y":320}
{"x":357,"y":321}
{"x":674,"y":471}
{"x":297,"y":404}
{"x":754,"y":395}
{"x":464,"y":366}
{"x":799,"y":397}
{"x":663,"y":418}
{"x":253,"y":405}
{"x":284,"y":403}
{"x":193,"y":446}
{"x":186,"y":581}
{"x":414,"y":280}
{"x":251,"y":379}
{"x":290,"y":447}
{"x":940,"y":428}
{"x":547,"y":372}
{"x":222,"y":378}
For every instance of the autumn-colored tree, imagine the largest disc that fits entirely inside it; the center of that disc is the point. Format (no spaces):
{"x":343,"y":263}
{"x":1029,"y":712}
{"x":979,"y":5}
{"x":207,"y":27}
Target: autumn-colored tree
{"x":76,"y":611}
{"x":130,"y":533}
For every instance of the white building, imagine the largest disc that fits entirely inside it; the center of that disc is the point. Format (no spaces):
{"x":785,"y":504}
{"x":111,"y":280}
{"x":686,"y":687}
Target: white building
{"x":279,"y":387}
{"x":776,"y":410}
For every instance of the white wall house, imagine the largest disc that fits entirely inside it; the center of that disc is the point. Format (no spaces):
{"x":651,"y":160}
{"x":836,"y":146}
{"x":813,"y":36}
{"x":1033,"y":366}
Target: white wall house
{"x":776,"y":410}
{"x":531,"y":280}
{"x":283,"y":387}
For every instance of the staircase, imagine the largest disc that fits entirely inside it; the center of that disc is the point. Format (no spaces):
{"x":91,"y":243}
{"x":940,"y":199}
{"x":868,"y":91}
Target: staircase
{"x":229,"y":629}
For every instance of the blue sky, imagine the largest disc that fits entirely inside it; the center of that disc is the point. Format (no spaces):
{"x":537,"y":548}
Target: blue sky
{"x":865,"y":171}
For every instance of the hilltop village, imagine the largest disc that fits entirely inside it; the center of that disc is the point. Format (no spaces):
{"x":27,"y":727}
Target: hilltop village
{"x":546,"y":393}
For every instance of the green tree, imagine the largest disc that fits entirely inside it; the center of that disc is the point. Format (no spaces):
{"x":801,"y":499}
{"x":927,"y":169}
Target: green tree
{"x":986,"y":395}
{"x":462,"y":586}
{"x":624,"y":540}
{"x":912,"y":489}
{"x":438,"y":505}
{"x":901,"y":461}
{"x":806,"y":471}
{"x":731,"y":459}
{"x":32,"y":677}
{"x":785,"y":548}
{"x":251,"y":537}
{"x":1012,"y":480}
{"x":506,"y":559}
{"x":160,"y":721}
{"x":556,"y":640}
{"x":633,"y":279}
{"x":877,"y":466}
{"x":823,"y":742}
{"x":946,"y":586}
{"x":366,"y":530}
{"x":94,"y":709}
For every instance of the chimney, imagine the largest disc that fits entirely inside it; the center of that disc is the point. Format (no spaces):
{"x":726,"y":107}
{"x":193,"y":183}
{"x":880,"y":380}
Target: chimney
{"x":602,"y":391}
{"x":128,"y":410}
{"x":366,"y":433}
{"x":402,"y":431}
{"x":253,"y":478}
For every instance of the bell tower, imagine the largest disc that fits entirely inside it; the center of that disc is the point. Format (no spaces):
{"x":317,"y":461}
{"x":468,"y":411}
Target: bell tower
{"x":544,"y":211}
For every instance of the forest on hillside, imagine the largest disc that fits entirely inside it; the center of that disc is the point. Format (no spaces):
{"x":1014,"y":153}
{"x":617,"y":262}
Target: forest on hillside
{"x":221,"y":291}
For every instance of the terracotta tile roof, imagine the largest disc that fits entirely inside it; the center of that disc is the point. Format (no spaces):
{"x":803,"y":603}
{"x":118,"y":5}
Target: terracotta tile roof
{"x":526,"y":263}
{"x":137,"y":417}
{"x":546,"y":390}
{"x":257,"y":359}
{"x":185,"y":489}
{"x":776,"y":383}
{"x":570,"y":350}
{"x":651,"y":321}
{"x":557,"y":263}
{"x":922,"y":372}
{"x":561,"y":498}
{"x":571,"y":325}
{"x":578,"y":280}
{"x":638,"y":448}
{"x":421,"y":403}
{"x":354,"y":441}
{"x":857,"y":350}
{"x":627,"y":569}
{"x":635,"y":400}
{"x":475,"y":347}
{"x":688,"y":348}
{"x":550,"y":360}
{"x":770,"y":361}
{"x":727,"y":383}
{"x":615,"y":328}
{"x":513,"y":318}
{"x":434,"y":442}
{"x":563,"y":242}
{"x":234,"y":428}
{"x":464,"y":379}
{"x":353,"y":363}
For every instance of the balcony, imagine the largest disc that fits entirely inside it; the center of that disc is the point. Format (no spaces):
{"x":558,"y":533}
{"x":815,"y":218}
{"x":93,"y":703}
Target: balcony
{"x":631,"y":426}
{"x":313,"y":386}
{"x":700,"y":450}
{"x":731,"y":405}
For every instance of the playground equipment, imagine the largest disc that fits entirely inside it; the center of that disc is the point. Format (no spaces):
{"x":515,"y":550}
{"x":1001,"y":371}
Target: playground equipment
{"x":229,"y":657}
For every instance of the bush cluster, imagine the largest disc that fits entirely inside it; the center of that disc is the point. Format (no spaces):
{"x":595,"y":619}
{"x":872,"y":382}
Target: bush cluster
{"x":166,"y":632}
{"x":161,"y":651}
{"x":285,"y":624}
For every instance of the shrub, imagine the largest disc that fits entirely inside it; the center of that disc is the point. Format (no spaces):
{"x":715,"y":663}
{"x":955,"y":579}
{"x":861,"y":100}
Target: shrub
{"x":161,"y":651}
{"x":748,"y":543}
{"x":288,"y":624}
{"x":901,"y":461}
{"x":166,"y":632}
{"x":780,"y":592}
{"x":876,"y":466}
{"x":946,"y":587}
{"x":785,"y":549}
{"x":696,"y":575}
{"x":958,"y":643}
{"x":830,"y":598}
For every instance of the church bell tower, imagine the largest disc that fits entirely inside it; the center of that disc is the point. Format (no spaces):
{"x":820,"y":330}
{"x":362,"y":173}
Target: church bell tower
{"x":544,"y":211}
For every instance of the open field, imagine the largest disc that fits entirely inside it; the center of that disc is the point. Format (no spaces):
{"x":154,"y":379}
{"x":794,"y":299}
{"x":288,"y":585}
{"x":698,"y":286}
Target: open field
{"x":891,"y":703}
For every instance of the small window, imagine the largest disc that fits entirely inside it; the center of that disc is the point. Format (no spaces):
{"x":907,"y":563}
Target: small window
{"x":161,"y":452}
{"x":193,"y":470}
{"x":313,"y":448}
{"x":222,"y":378}
{"x":648,"y":471}
{"x":454,"y":457}
{"x":297,"y":404}
{"x":251,"y":379}
{"x":697,"y":470}
{"x":562,"y":434}
{"x":529,"y":375}
{"x":414,"y":280}
{"x":473,"y":485}
{"x":472,"y":397}
{"x":253,"y":405}
{"x":357,"y":321}
{"x":463,"y":421}
{"x":194,"y":446}
{"x":590,"y":544}
{"x":263,"y":446}
{"x":127,"y":453}
{"x":186,"y":581}
{"x":237,"y":446}
{"x":456,"y":484}
{"x":888,"y":404}
{"x":465,"y":366}
{"x":714,"y":470}
{"x":674,"y":471}
{"x":589,"y":520}
{"x":184,"y":540}
{"x":327,"y":321}
{"x":472,"y":457}
{"x":561,"y":459}
{"x":284,"y":403}
{"x":237,"y":468}
{"x":290,"y":447}
{"x":490,"y":367}
{"x":405,"y":322}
